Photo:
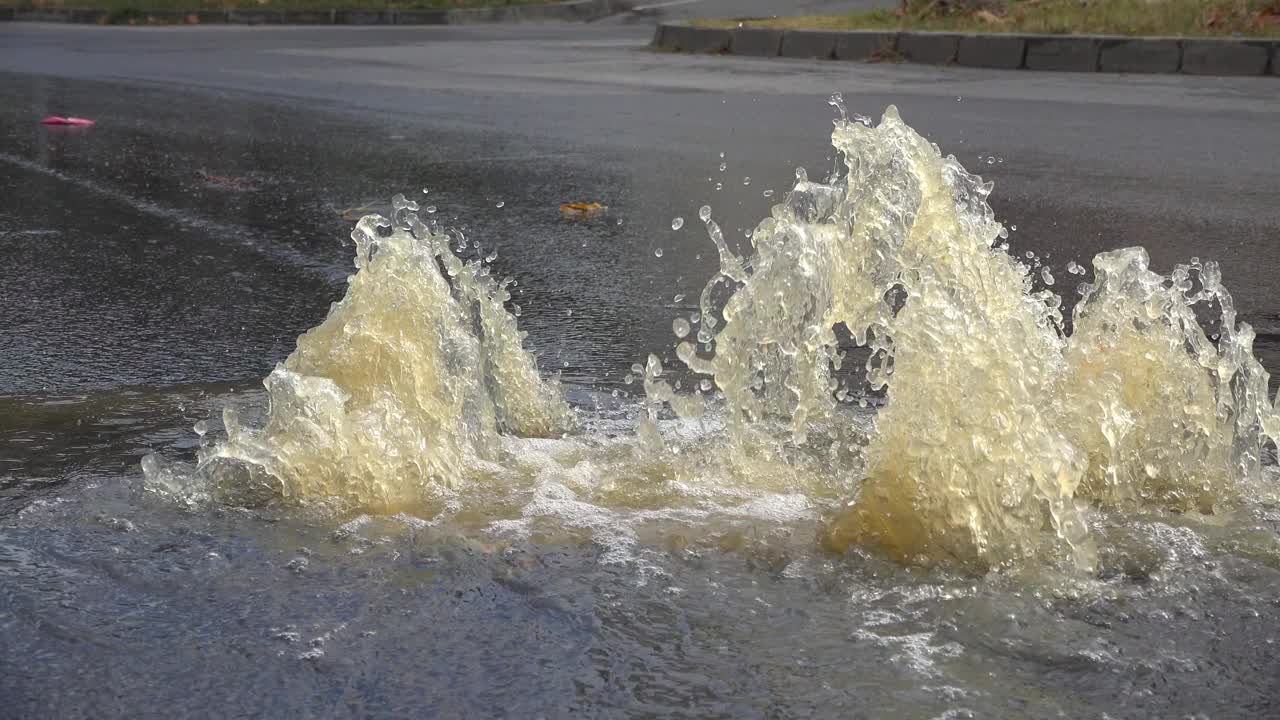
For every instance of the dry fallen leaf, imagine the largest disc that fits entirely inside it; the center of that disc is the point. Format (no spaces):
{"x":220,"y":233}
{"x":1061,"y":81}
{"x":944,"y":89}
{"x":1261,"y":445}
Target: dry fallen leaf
{"x":355,"y":212}
{"x":581,"y":209}
{"x":989,"y":17}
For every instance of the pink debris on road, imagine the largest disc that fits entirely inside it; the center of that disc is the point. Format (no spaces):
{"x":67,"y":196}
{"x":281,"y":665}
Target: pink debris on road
{"x":55,"y":120}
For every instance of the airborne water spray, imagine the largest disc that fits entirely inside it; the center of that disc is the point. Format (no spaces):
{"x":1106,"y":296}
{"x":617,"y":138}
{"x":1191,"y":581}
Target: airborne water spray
{"x":997,"y":423}
{"x":995,"y":418}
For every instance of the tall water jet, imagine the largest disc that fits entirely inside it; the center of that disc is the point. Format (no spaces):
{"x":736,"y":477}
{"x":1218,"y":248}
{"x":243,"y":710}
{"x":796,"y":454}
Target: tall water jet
{"x":995,"y":418}
{"x":405,"y":385}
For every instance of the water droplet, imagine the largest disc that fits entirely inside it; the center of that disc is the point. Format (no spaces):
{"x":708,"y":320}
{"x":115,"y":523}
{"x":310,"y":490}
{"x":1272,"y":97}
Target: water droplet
{"x":677,"y":223}
{"x":657,"y":252}
{"x":637,"y":368}
{"x":678,"y":298}
{"x":958,"y":98}
{"x":491,"y":256}
{"x":1046,"y":275}
{"x":680,"y":327}
{"x":627,"y":379}
{"x":719,"y":185}
{"x":515,"y":310}
{"x":1013,"y":228}
{"x":705,"y":385}
{"x":431,"y":209}
{"x":801,"y":175}
{"x":704,"y":213}
{"x":767,"y":193}
{"x":746,"y":180}
{"x":501,"y":203}
{"x":425,"y":191}
{"x":837,"y":101}
{"x":991,"y":161}
{"x":721,"y":156}
{"x":723,"y":166}
{"x":695,"y":317}
{"x":201,"y":428}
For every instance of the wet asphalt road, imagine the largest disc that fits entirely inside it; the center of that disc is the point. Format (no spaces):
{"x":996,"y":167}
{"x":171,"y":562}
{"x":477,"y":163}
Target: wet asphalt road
{"x":192,"y":279}
{"x":156,"y":266}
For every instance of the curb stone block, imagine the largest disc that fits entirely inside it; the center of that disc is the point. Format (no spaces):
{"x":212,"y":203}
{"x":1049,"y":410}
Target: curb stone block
{"x":657,"y":41}
{"x":309,"y":17}
{"x":468,"y":16}
{"x":39,"y":16}
{"x":255,"y":17}
{"x":865,"y":45}
{"x":569,"y":11}
{"x":422,"y":17}
{"x":511,"y":13}
{"x":6,"y":14}
{"x":1224,"y":57}
{"x":208,"y":17}
{"x":1068,"y":54}
{"x":1275,"y":58}
{"x":1140,"y":55}
{"x":365,"y":17}
{"x":156,"y":17}
{"x":808,"y":44}
{"x":91,"y":17}
{"x":992,"y":51}
{"x":583,"y":10}
{"x":695,"y":40}
{"x":928,"y":48}
{"x":760,"y":43}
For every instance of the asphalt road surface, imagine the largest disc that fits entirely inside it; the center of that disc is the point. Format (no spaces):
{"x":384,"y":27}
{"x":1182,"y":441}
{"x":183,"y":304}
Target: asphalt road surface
{"x":540,"y":114}
{"x":154,"y":267}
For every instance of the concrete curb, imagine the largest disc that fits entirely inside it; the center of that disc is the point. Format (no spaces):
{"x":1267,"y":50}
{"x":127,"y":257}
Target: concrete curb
{"x":1067,"y":53}
{"x":572,"y":11}
{"x":1140,"y":55}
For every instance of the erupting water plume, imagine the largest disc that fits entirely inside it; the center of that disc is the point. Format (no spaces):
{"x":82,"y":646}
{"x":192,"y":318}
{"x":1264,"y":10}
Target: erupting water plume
{"x":995,"y":417}
{"x":998,"y":423}
{"x":403,"y":388}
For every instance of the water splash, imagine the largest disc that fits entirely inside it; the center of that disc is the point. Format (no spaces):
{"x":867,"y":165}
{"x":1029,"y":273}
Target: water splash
{"x":995,"y":418}
{"x":997,"y":422}
{"x":402,"y":390}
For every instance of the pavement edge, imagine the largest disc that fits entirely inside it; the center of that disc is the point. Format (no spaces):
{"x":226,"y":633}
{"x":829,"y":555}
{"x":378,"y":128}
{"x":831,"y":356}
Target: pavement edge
{"x":571,"y":11}
{"x":1010,"y":51}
